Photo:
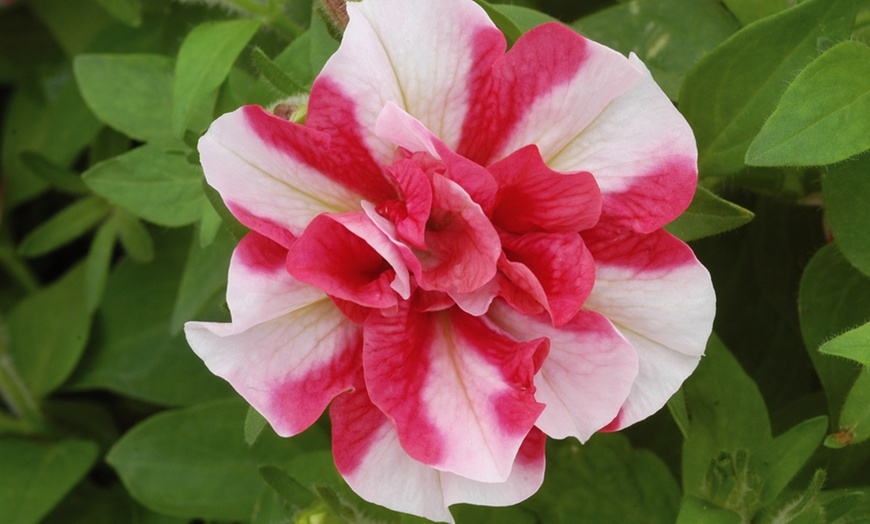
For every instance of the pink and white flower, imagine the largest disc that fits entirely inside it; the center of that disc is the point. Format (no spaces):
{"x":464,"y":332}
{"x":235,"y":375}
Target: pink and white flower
{"x":461,"y":250}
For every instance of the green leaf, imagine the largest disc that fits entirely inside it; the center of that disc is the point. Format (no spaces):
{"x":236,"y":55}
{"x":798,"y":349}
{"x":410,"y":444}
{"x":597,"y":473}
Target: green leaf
{"x":57,"y":126}
{"x":855,"y":418}
{"x":153,"y":183}
{"x":132,"y":351}
{"x":75,"y":25}
{"x":254,"y":425}
{"x":505,"y":24}
{"x":748,"y":11}
{"x":720,"y":430}
{"x":134,"y":237}
{"x":142,"y":109}
{"x":35,"y":477}
{"x":48,"y":331}
{"x":605,"y":480}
{"x":204,"y":61}
{"x":295,"y":62}
{"x":56,"y":176}
{"x":97,"y":263}
{"x":697,"y":511}
{"x":853,"y":344}
{"x":287,"y":487}
{"x":833,"y":297}
{"x":127,"y":11}
{"x":194,"y":462}
{"x":708,"y":215}
{"x":70,"y":223}
{"x":730,"y":92}
{"x":781,"y":459}
{"x":846,"y":191}
{"x":669,"y":45}
{"x":205,"y":274}
{"x":828,"y":103}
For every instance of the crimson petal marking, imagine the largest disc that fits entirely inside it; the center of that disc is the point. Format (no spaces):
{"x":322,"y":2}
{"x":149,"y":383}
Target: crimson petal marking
{"x":452,"y":46}
{"x":259,"y":288}
{"x":369,"y":456}
{"x":411,"y":213}
{"x":463,"y":246}
{"x":288,"y":368}
{"x":545,"y":91}
{"x":460,"y":395}
{"x":643,"y":154}
{"x":661,"y":299}
{"x":533,"y":197}
{"x":338,"y":152}
{"x":562,"y":265}
{"x":269,"y":187}
{"x":585,"y":378}
{"x":348,"y":257}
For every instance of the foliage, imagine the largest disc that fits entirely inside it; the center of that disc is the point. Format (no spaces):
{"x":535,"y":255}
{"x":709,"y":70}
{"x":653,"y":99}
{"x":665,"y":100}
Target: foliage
{"x":109,"y":242}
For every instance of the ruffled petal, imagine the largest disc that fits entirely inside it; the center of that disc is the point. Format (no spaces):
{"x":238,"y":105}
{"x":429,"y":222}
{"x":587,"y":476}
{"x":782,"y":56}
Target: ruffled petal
{"x":288,"y":368}
{"x":643,"y":155}
{"x":348,"y":257}
{"x":271,"y":173}
{"x":661,"y":299}
{"x":585,"y":378}
{"x":533,"y":197}
{"x":259,"y":288}
{"x":463,"y":247}
{"x":460,"y":395}
{"x":544,"y":91}
{"x":424,"y":60}
{"x":371,"y":459}
{"x":561,"y":266}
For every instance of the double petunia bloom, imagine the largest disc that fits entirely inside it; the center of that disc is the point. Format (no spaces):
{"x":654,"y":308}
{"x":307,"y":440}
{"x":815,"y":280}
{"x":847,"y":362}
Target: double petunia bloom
{"x":461,"y":251}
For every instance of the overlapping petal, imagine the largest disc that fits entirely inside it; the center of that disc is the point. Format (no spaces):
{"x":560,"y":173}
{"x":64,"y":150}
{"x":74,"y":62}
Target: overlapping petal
{"x":267,"y":171}
{"x":643,"y":155}
{"x":550,"y":71}
{"x":427,"y":61}
{"x":587,"y":375}
{"x":288,"y":368}
{"x":460,"y":395}
{"x":370,"y":457}
{"x":661,"y":299}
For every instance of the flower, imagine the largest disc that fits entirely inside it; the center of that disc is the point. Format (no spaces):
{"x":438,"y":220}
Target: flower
{"x":461,"y":250}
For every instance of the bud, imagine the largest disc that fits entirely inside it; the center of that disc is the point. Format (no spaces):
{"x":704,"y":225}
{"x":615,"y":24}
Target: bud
{"x":335,"y":14}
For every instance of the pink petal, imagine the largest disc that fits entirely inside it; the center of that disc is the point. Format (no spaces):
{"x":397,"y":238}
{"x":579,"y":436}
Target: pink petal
{"x":288,"y":368}
{"x":585,"y":378}
{"x":544,"y":91}
{"x":463,"y":245}
{"x":560,"y":264}
{"x":348,"y":257}
{"x":460,"y":395}
{"x":410,"y":213}
{"x":643,"y":154}
{"x":265,"y":170}
{"x":371,"y":459}
{"x":533,"y":197}
{"x":660,"y":298}
{"x":420,"y":58}
{"x":399,"y":127}
{"x":259,"y":288}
